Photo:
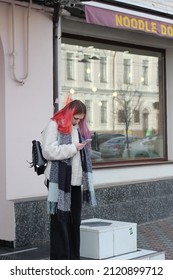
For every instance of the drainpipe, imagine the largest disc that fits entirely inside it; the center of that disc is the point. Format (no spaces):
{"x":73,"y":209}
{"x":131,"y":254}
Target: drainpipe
{"x":56,"y":52}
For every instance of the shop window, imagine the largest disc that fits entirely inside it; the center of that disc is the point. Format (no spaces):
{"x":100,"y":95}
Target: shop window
{"x":136,"y":116}
{"x":88,"y":107}
{"x":103,"y":112}
{"x":70,"y":66}
{"x":127,"y":71}
{"x":127,"y":123}
{"x":103,"y":72}
{"x":87,"y":68}
{"x":145,"y":72}
{"x":121,"y":116}
{"x":145,"y":115}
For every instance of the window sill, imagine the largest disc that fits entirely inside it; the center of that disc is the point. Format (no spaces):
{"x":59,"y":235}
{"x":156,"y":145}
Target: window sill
{"x":99,"y":165}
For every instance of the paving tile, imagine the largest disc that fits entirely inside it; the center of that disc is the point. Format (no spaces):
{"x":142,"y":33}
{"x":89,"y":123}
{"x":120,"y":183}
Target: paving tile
{"x":156,"y":235}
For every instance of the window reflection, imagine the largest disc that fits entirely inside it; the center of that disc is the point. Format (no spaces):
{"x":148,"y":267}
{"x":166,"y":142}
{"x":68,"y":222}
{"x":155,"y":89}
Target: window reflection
{"x":124,"y":98}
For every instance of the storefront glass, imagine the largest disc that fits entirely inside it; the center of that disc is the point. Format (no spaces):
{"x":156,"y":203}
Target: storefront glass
{"x":123,"y":89}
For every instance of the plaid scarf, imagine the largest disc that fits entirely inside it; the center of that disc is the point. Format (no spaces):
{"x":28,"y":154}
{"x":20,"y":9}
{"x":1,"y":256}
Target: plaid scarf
{"x":59,"y":195}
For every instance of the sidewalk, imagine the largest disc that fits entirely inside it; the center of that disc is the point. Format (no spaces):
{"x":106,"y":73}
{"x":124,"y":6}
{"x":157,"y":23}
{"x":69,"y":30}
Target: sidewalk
{"x":157,"y":236}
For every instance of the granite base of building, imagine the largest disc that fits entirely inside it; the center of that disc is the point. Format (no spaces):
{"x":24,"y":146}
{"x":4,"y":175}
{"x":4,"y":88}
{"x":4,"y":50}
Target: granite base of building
{"x":137,"y":203}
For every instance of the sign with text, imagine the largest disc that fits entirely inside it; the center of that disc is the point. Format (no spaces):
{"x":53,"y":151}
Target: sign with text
{"x":116,"y":19}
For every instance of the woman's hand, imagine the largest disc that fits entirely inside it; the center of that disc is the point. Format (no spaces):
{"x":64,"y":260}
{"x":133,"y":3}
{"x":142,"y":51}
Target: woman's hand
{"x":80,"y":146}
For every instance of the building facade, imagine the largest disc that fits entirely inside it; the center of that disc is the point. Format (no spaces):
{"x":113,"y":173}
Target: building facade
{"x":122,"y":73}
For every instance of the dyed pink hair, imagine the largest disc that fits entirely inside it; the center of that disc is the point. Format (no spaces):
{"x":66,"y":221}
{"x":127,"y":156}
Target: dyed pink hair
{"x":64,"y":117}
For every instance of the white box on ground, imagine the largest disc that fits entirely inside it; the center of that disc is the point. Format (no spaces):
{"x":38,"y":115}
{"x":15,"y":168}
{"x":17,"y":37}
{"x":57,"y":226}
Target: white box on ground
{"x":102,"y":238}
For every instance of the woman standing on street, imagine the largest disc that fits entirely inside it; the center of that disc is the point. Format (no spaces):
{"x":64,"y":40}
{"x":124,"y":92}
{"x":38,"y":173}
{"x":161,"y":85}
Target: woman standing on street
{"x":69,"y":167}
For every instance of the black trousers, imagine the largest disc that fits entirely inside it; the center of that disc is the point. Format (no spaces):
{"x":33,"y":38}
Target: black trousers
{"x":65,"y":235}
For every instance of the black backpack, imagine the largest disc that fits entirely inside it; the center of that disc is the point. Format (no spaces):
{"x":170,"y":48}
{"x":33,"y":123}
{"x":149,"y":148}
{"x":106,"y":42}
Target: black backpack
{"x":38,"y":161}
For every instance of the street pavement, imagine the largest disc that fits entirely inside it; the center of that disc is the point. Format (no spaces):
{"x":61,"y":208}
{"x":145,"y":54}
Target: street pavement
{"x":156,"y":236}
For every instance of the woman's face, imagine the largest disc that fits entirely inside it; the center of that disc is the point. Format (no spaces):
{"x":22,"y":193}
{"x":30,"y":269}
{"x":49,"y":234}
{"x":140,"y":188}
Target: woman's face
{"x":77,"y":118}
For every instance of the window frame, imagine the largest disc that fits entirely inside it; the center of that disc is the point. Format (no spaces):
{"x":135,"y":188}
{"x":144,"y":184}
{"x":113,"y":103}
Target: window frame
{"x":162,"y":89}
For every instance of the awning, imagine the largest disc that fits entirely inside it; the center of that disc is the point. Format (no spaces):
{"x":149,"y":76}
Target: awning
{"x":119,"y":18}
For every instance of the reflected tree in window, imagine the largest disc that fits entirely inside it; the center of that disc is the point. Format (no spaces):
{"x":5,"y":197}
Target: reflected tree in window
{"x":127,"y":102}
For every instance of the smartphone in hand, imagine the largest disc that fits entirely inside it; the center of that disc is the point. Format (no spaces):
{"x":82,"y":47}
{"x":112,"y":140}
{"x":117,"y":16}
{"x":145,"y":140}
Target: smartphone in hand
{"x":87,"y":140}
